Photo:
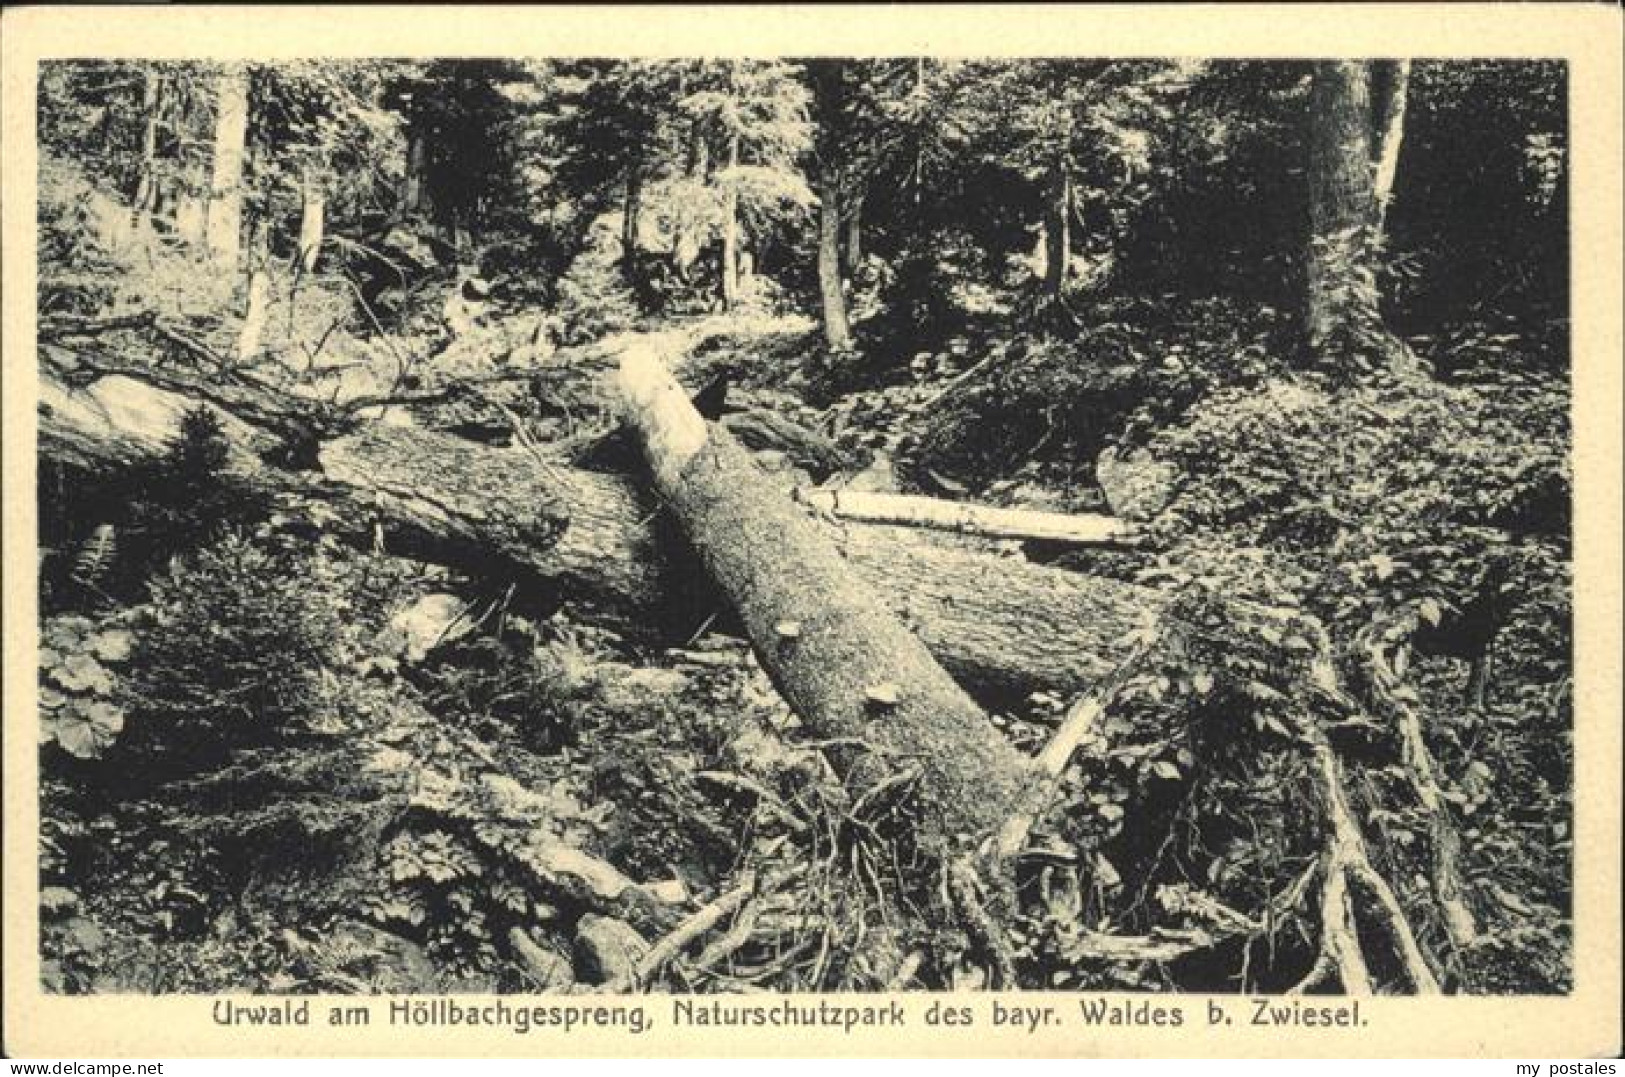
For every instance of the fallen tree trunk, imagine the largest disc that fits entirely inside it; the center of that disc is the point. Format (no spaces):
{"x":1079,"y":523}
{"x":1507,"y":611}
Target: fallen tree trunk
{"x":425,"y":494}
{"x":985,"y":521}
{"x":845,"y":663}
{"x":998,"y":624}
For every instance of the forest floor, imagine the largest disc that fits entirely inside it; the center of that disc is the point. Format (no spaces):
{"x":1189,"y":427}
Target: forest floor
{"x":465,"y":732}
{"x":475,"y":792}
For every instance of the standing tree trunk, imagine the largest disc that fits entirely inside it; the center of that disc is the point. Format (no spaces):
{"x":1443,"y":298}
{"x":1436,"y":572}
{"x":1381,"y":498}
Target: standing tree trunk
{"x":686,"y":245}
{"x":1343,"y":322}
{"x":826,"y":85}
{"x":257,"y":308}
{"x":223,"y":225}
{"x":630,"y":212}
{"x":730,"y":228}
{"x":837,"y":329}
{"x":919,"y":136}
{"x":417,"y":157}
{"x":854,"y":231}
{"x":312,"y":218}
{"x":1388,"y":124}
{"x":145,"y":200}
{"x":1057,"y":228}
{"x":1058,"y":211}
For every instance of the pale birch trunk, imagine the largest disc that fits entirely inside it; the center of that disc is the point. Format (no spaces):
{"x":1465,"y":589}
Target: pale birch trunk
{"x":312,"y":219}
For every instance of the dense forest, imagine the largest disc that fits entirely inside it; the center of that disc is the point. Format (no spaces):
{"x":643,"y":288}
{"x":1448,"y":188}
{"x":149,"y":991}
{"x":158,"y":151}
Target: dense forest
{"x":738,"y":525}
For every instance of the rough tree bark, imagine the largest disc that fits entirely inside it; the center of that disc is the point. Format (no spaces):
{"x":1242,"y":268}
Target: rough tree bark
{"x":417,"y":163}
{"x":1344,"y":325}
{"x":846,"y":664}
{"x":1000,"y":625}
{"x":223,"y":227}
{"x":837,"y":328}
{"x":826,"y":80}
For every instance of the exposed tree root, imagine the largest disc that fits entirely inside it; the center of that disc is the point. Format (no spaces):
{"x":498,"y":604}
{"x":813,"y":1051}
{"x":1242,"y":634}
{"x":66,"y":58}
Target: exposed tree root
{"x":1400,"y":700}
{"x":70,"y":325}
{"x":1358,"y":908}
{"x":686,"y":932}
{"x":731,"y":941}
{"x":1143,"y":949}
{"x":966,"y":891}
{"x":906,"y":971}
{"x":1350,"y":884}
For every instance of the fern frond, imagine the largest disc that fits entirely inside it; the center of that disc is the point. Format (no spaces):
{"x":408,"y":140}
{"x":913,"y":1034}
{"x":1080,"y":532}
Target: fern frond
{"x":95,"y":557}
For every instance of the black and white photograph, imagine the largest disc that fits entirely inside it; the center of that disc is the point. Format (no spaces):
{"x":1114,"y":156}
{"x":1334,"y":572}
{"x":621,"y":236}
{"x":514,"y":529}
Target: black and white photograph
{"x":761,"y":526}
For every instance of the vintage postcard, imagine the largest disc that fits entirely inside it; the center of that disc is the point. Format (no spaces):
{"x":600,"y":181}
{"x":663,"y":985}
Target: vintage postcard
{"x":830,"y":530}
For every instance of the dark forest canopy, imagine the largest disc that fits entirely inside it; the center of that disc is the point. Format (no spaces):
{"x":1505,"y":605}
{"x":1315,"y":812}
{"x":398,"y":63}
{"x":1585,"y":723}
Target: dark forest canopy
{"x":1174,"y":456}
{"x":1176,"y":177}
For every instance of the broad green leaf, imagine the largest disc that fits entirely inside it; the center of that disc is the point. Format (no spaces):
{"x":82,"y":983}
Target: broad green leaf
{"x":82,"y":673}
{"x":1428,"y":610}
{"x":113,"y":645}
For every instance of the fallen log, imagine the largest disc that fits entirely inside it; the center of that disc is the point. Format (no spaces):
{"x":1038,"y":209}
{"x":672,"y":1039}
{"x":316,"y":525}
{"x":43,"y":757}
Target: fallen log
{"x":429,"y":495}
{"x":846,"y":664}
{"x":998,"y":624}
{"x":966,"y":518}
{"x":72,"y":325}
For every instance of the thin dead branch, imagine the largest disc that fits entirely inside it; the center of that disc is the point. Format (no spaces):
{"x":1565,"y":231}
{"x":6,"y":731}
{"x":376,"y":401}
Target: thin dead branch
{"x":686,"y":932}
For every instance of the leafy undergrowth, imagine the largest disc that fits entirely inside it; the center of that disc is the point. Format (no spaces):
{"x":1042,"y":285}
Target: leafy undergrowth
{"x":1404,"y":515}
{"x":409,"y":809}
{"x":430,"y":819}
{"x":1409,"y":519}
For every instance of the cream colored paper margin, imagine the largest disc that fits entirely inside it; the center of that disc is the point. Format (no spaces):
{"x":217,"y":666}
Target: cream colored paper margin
{"x":1587,"y":35}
